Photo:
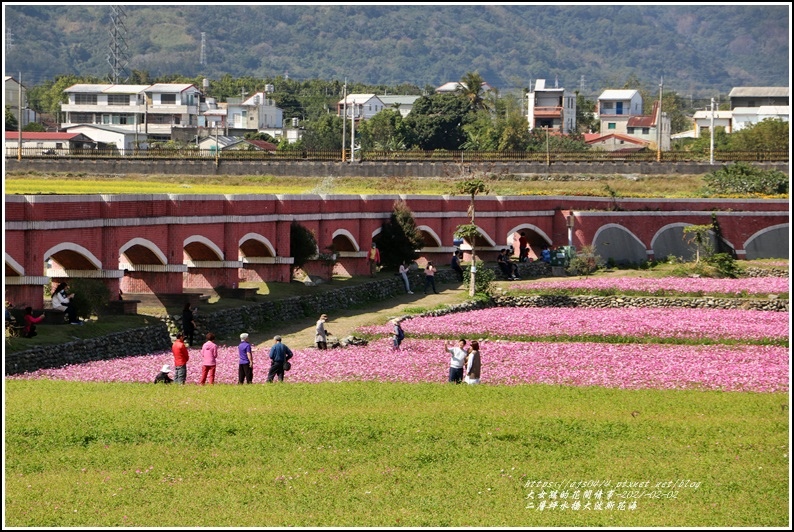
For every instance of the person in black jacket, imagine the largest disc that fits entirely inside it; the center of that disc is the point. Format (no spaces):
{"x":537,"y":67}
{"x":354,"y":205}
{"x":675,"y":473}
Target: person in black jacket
{"x":188,"y":323}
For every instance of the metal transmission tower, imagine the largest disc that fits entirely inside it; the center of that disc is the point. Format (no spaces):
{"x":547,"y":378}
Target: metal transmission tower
{"x":118,"y":57}
{"x":203,"y":59}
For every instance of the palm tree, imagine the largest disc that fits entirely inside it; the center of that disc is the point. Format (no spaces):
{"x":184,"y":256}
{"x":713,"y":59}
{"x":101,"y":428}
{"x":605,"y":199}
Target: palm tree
{"x":471,"y":88}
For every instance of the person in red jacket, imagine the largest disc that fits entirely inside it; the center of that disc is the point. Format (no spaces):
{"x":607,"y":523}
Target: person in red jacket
{"x":29,"y":331}
{"x":181,"y":357}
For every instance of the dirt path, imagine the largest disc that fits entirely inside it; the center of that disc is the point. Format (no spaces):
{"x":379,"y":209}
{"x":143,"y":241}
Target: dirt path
{"x":342,"y":322}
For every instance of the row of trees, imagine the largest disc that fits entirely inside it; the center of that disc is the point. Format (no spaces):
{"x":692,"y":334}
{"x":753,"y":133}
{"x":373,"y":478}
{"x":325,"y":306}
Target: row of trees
{"x":471,"y":119}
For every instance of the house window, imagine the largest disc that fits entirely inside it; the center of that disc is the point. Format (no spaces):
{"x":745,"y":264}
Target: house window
{"x":646,"y":131}
{"x":630,"y":130}
{"x":607,"y":105}
{"x":81,"y":118}
{"x":611,"y":125}
{"x":118,"y":99}
{"x":58,"y":145}
{"x":85,"y":99}
{"x":166,"y":99}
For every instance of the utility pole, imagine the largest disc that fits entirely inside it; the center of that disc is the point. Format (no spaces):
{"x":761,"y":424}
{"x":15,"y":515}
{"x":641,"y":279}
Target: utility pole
{"x":19,"y":122}
{"x":659,"y":124}
{"x":711,"y":130}
{"x":353,"y":133}
{"x":344,"y":120}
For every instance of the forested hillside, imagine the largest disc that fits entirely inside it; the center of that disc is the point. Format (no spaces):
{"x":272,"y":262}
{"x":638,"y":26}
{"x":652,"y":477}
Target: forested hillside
{"x":699,"y":50}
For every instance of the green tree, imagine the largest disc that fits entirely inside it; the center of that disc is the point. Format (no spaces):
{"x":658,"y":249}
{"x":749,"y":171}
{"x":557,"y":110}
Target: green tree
{"x":384,"y":131}
{"x":34,"y":126}
{"x":324,"y":133}
{"x":472,"y":90}
{"x":700,"y":236}
{"x":436,"y":122}
{"x":771,"y":134}
{"x":302,"y":244}
{"x":481,"y":133}
{"x":470,"y":231}
{"x":586,"y":122}
{"x":399,"y":238}
{"x":11,"y":120}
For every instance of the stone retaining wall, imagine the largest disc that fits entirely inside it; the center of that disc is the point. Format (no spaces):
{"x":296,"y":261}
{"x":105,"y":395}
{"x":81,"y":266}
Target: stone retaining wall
{"x":231,"y":322}
{"x":359,"y":169}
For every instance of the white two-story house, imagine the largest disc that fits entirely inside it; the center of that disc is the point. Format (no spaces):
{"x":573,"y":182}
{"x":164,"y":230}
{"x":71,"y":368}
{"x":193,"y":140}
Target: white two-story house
{"x":620,"y":113}
{"x":152,"y":111}
{"x":551,"y":108}
{"x":615,"y":107}
{"x":360,"y":106}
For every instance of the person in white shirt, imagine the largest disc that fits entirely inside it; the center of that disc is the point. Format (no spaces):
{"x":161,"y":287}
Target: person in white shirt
{"x":458,"y":353}
{"x":320,"y":334}
{"x":61,"y":300}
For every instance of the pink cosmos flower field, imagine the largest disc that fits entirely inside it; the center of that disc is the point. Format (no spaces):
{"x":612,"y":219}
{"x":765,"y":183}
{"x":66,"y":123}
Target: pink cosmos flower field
{"x":628,"y":366}
{"x":749,"y":285}
{"x":631,"y":322}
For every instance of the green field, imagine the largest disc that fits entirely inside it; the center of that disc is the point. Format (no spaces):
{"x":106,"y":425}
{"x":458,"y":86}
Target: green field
{"x":377,"y":454}
{"x":676,"y":186}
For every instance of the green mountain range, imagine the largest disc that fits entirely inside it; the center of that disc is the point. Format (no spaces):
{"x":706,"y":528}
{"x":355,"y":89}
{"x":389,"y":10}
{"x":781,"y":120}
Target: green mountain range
{"x":698,"y":50}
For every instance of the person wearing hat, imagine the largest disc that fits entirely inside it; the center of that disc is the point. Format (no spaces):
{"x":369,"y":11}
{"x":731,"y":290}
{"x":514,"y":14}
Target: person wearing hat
{"x":245,"y":371}
{"x":279,"y":355}
{"x":181,"y":357}
{"x":398,"y":334}
{"x":163,"y":375}
{"x":320,"y":334}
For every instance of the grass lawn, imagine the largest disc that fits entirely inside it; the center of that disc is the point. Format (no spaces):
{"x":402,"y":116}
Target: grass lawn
{"x":392,"y":454}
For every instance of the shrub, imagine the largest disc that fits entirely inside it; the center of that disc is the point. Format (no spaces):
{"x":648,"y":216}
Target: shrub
{"x":483,"y":281}
{"x":744,"y":178}
{"x":585,"y":262}
{"x":90,"y":296}
{"x":302,"y":244}
{"x":725,"y":264}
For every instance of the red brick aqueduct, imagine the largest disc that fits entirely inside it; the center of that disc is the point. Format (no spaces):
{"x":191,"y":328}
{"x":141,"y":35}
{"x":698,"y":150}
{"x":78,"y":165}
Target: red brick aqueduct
{"x":168,"y":243}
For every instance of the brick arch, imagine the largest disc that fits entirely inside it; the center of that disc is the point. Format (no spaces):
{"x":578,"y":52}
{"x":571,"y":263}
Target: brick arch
{"x":429,"y":236}
{"x":669,"y":240}
{"x":616,"y":242}
{"x":142,"y":251}
{"x":759,"y":244}
{"x":255,"y":245}
{"x":343,"y":240}
{"x":482,"y":234}
{"x":536,"y":238}
{"x":73,"y":257}
{"x":13,"y":268}
{"x":201,"y":248}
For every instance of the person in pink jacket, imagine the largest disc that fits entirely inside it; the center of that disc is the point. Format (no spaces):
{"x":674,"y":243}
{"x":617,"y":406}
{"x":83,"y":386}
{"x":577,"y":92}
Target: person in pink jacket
{"x":209,"y":358}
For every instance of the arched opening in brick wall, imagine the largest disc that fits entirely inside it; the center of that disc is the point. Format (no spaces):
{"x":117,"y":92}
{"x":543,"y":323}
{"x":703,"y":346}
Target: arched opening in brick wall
{"x":670,"y":241}
{"x":252,"y":245}
{"x":536,"y":239}
{"x":343,"y":240}
{"x":769,"y":243}
{"x":143,"y":264}
{"x":204,"y":260}
{"x":615,"y":243}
